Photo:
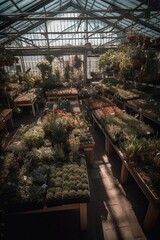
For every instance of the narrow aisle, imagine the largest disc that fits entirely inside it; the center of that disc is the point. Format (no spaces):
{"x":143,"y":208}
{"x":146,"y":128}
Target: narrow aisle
{"x":109,"y":209}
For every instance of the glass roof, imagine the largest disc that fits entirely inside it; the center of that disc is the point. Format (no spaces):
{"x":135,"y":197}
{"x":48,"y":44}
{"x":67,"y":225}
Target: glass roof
{"x":60,"y":23}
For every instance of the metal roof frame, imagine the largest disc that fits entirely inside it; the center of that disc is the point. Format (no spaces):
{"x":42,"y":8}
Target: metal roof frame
{"x":117,"y":17}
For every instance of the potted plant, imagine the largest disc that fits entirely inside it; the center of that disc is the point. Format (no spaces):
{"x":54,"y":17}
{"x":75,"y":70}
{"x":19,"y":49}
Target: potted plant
{"x":45,"y":68}
{"x":34,"y":137}
{"x":142,"y":155}
{"x":68,"y":183}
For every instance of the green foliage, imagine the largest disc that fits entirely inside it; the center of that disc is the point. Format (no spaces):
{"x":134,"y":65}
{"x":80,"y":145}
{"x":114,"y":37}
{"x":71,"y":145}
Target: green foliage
{"x":67,"y":70}
{"x":59,"y":152}
{"x":57,"y":74}
{"x":49,"y":58}
{"x":77,"y":62}
{"x":34,"y":137}
{"x":45,"y":69}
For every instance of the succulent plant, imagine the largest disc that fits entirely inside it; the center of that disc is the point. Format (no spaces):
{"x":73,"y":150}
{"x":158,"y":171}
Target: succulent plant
{"x":34,"y":137}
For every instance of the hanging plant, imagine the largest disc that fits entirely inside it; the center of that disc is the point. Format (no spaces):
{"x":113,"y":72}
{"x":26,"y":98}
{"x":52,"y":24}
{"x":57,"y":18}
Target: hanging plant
{"x":7,"y":60}
{"x":45,"y":68}
{"x":49,"y":58}
{"x":137,"y":57}
{"x":77,"y":62}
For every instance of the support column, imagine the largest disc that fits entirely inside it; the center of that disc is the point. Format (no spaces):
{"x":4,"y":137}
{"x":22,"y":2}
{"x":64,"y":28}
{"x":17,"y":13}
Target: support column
{"x":85,"y":66}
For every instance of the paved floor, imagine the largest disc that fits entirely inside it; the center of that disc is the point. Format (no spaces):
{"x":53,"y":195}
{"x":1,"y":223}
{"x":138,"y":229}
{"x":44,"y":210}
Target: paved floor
{"x":114,"y":212}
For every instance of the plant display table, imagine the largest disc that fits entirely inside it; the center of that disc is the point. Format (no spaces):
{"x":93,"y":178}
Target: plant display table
{"x":64,"y":104}
{"x":146,"y":108}
{"x":154,"y":199}
{"x":118,"y":125}
{"x":97,"y":102}
{"x":6,"y":115}
{"x":38,"y":175}
{"x":14,"y":90}
{"x":28,"y":98}
{"x":70,"y":93}
{"x":144,"y":181}
{"x":82,"y":207}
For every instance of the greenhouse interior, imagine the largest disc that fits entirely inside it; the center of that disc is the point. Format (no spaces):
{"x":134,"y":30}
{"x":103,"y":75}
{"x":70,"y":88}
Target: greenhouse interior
{"x":80,"y":119}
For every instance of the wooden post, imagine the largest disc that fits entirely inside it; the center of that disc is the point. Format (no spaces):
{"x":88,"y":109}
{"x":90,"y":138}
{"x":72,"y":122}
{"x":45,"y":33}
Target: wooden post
{"x":83,"y":216}
{"x":151,"y":216}
{"x":33,"y":110}
{"x":91,"y":156}
{"x":124,"y":173}
{"x":108,"y":146}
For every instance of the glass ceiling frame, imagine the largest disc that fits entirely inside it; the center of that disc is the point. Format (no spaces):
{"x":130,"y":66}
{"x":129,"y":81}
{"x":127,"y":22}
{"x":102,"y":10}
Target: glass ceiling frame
{"x":21,"y":19}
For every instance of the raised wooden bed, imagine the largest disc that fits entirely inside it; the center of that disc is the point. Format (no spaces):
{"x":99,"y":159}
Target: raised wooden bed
{"x":71,"y":93}
{"x":153,"y":210}
{"x":28,"y":98}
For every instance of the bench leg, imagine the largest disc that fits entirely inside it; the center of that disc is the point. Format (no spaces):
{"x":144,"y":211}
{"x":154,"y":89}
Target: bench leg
{"x":124,"y":173}
{"x":83,"y":216}
{"x":151,"y":216}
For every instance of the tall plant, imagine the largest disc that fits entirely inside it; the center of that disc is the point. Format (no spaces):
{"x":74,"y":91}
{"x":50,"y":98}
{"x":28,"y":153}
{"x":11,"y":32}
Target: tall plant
{"x":45,"y":69}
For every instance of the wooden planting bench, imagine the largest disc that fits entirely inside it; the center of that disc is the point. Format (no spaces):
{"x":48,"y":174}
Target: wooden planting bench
{"x":82,"y":207}
{"x":64,"y":93}
{"x":26,"y":99}
{"x":153,"y":209}
{"x":6,"y":116}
